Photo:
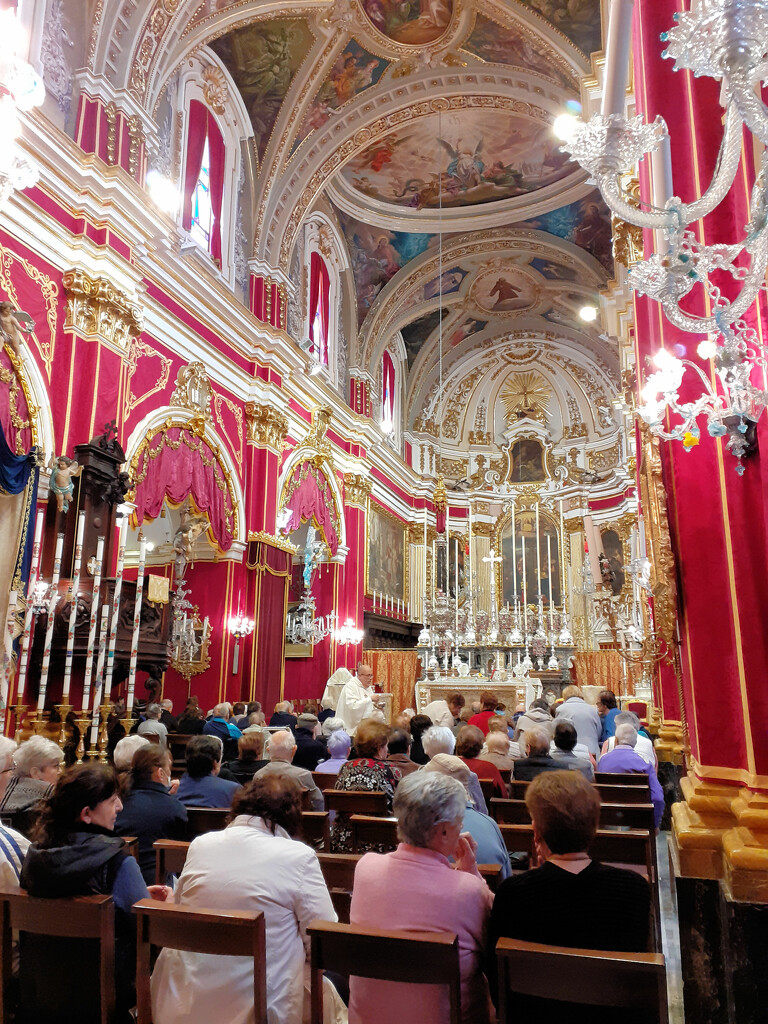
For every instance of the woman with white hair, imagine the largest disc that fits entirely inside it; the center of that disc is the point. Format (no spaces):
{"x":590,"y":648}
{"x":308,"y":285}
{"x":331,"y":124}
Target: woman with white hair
{"x":339,"y":745}
{"x":416,"y":888}
{"x":37,"y":764}
{"x":439,"y":739}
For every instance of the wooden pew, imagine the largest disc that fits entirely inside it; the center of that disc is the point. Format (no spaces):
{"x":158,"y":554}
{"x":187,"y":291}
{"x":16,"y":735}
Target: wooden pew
{"x":197,"y":930}
{"x":621,"y":778}
{"x":356,"y":801}
{"x":387,"y":956}
{"x":84,"y":917}
{"x":613,"y":794}
{"x":316,"y":829}
{"x":603,"y":979}
{"x":170,"y":857}
{"x":325,"y":780}
{"x":206,"y":819}
{"x":515,"y":812}
{"x":368,"y":831}
{"x":131,"y":846}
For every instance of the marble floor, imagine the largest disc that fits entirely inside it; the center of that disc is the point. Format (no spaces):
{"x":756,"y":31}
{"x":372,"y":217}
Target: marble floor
{"x":670,"y":936}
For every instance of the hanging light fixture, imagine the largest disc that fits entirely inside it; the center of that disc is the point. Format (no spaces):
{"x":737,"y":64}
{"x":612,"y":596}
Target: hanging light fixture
{"x":726,"y":40}
{"x":21,"y":89}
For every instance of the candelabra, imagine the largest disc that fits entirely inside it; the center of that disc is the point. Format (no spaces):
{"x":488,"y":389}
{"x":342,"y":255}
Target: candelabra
{"x":348,"y":634}
{"x":20,"y":89}
{"x":725,"y":40}
{"x":304,"y":628}
{"x":240,"y":627}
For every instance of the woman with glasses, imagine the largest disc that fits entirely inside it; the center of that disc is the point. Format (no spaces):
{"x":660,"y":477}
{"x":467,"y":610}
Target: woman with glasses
{"x":37,"y":764}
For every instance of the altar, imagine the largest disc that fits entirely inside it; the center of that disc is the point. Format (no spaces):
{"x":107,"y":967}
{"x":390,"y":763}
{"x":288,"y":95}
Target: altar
{"x":510,"y":691}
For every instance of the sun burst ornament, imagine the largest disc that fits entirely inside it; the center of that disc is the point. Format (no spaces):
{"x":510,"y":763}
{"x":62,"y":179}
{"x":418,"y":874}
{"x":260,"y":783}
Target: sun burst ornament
{"x":525,"y":394}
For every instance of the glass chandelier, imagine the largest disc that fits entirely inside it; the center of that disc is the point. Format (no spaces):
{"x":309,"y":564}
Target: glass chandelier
{"x":20,"y":89}
{"x":726,"y":40}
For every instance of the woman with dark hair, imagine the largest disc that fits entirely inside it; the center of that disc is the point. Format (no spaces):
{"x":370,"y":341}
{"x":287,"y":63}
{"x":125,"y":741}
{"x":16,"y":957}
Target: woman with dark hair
{"x":149,"y":811}
{"x":191,"y":722}
{"x":75,"y":852}
{"x":250,"y":747}
{"x":369,"y":770}
{"x":419,"y":725}
{"x":253,"y":864}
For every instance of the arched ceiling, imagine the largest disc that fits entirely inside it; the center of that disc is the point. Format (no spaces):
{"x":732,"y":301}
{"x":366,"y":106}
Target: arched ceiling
{"x":424,"y":127}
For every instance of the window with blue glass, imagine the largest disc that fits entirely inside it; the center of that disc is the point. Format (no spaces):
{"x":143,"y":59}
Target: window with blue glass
{"x":202,"y":209}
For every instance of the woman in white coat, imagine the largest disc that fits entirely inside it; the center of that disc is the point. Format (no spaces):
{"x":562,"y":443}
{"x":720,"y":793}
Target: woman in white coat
{"x":254,"y":864}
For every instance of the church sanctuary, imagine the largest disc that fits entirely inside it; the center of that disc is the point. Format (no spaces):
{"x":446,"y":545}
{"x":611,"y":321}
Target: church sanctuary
{"x":383,"y":524}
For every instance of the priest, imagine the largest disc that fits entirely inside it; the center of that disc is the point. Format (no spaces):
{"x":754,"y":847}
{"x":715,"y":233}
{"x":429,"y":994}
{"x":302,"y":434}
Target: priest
{"x":356,"y":699}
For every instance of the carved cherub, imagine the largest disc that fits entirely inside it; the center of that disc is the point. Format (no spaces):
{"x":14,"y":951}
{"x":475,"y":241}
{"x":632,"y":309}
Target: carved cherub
{"x":64,"y":471}
{"x":9,"y":328}
{"x":184,"y":540}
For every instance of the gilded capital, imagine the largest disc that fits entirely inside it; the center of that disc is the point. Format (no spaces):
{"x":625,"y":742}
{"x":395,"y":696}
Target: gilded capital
{"x":357,"y":489}
{"x":267,"y":427}
{"x":96,"y":309}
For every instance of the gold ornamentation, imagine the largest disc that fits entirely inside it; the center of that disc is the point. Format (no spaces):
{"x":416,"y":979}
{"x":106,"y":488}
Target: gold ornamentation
{"x":158,"y":589}
{"x":605,"y":459}
{"x":136,"y":140}
{"x":357,"y":489}
{"x":235,"y":447}
{"x":526,"y":395}
{"x":193,"y":390}
{"x":110,"y":113}
{"x":321,"y":419}
{"x":50,"y":292}
{"x":276,"y":541}
{"x":575,"y":430}
{"x":480,"y":437}
{"x":14,"y":377}
{"x":654,"y":505}
{"x":628,"y":238}
{"x":140,"y":348}
{"x":266,"y":426}
{"x":215,"y":90}
{"x":440,"y":497}
{"x":96,"y":309}
{"x":203,"y":631}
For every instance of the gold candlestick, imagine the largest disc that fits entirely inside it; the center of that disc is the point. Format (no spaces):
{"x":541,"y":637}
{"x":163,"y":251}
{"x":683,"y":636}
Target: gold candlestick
{"x":103,"y":741}
{"x":64,"y":710}
{"x":18,"y":713}
{"x":83,"y":723}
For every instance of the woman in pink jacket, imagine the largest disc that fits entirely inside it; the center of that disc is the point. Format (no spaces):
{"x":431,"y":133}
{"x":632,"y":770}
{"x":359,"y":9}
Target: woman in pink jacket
{"x":416,"y":888}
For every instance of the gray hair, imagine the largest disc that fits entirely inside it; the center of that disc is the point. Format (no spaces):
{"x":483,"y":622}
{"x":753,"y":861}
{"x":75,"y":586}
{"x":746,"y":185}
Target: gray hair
{"x":222,"y":710}
{"x":339,"y":743}
{"x":626,"y":734}
{"x":627,"y":718}
{"x":331,"y":725}
{"x":7,"y":748}
{"x":153,"y":712}
{"x":167,"y":704}
{"x":537,"y":740}
{"x":125,"y":749}
{"x":424,"y":800}
{"x":438,"y":739}
{"x":36,"y":752}
{"x":280,"y":745}
{"x":498,"y":742}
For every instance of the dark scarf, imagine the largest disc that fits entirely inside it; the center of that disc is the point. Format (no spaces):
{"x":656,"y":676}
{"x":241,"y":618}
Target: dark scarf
{"x":86,"y":862}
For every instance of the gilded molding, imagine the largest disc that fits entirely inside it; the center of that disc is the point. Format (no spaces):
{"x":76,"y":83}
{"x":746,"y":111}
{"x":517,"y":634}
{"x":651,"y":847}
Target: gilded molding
{"x":136,"y":141}
{"x":193,"y":391}
{"x":654,"y":505}
{"x":215,"y":90}
{"x":110,"y":112}
{"x":96,"y":309}
{"x":266,"y":427}
{"x":357,"y":489}
{"x":274,"y":540}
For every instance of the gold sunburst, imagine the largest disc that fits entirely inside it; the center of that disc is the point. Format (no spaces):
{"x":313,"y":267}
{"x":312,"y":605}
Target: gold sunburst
{"x":525,"y":394}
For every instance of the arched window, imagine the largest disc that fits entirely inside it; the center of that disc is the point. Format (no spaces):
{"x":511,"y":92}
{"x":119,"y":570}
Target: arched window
{"x":387,"y":394}
{"x":319,"y":307}
{"x":204,"y":179}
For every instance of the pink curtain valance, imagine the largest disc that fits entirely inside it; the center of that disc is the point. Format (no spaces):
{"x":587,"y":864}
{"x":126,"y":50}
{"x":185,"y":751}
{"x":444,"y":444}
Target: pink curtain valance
{"x":309,"y":495}
{"x":178,"y":463}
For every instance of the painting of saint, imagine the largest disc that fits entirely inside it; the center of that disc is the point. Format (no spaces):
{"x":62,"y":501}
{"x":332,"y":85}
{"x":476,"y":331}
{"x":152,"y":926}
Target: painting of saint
{"x":553,"y":271}
{"x":512,"y":565}
{"x":262,"y":59}
{"x":354,"y":70}
{"x":465,"y":330}
{"x":417,"y":331}
{"x":527,"y":461}
{"x":451,"y":282}
{"x":386,"y":555}
{"x":445,"y":579}
{"x":504,"y":291}
{"x":577,"y":19}
{"x":497,"y":44}
{"x":411,"y":22}
{"x":586,"y":223}
{"x":466,"y":157}
{"x":614,"y":552}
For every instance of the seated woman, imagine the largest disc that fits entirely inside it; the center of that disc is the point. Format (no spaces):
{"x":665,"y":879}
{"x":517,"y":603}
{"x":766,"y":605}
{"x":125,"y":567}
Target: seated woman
{"x":149,"y":811}
{"x":469,"y":743}
{"x":191,"y":722}
{"x":418,"y":726}
{"x":75,"y":852}
{"x":339,"y":745}
{"x":369,"y":770}
{"x":254,"y":864}
{"x":250,"y":747}
{"x":37,"y":764}
{"x":415,"y":888}
{"x":570,"y":900}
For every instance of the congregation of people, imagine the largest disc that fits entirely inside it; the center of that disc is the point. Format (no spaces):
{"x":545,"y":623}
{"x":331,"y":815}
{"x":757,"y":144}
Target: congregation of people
{"x":438,"y":772}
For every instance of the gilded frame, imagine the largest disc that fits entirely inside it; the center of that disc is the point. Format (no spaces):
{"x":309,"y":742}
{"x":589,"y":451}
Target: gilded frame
{"x":397,"y":527}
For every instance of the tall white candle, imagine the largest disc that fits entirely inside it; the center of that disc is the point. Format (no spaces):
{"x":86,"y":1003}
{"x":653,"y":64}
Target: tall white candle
{"x":136,"y":625}
{"x":514,"y":554}
{"x":29,"y":614}
{"x":424,"y":591}
{"x":470,"y":546}
{"x":434,"y":572}
{"x":99,"y":674}
{"x":538,"y":554}
{"x":73,"y":608}
{"x":54,"y":600}
{"x":92,"y":624}
{"x":456,"y":584}
{"x":525,"y":582}
{"x":617,"y":49}
{"x":549,"y":576}
{"x":447,"y":551}
{"x":562,"y":552}
{"x":115,"y":607}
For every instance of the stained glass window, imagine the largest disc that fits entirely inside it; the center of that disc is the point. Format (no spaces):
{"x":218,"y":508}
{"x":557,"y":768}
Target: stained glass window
{"x":202,"y":211}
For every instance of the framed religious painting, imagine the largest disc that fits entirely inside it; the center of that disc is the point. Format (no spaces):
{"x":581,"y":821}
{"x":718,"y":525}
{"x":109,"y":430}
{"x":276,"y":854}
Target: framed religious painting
{"x":386,"y":562}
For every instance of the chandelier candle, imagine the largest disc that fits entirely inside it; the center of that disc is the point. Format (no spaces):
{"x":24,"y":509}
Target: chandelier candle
{"x":30,"y":612}
{"x":549,"y":577}
{"x":92,"y":624}
{"x":115,"y":607}
{"x":73,"y":608}
{"x":136,"y":626}
{"x":525,"y":588}
{"x":538,"y":554}
{"x":54,"y":600}
{"x":617,"y":48}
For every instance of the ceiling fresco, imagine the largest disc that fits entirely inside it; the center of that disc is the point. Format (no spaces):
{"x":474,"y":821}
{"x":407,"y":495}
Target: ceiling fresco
{"x":579,"y":20}
{"x":586,"y":223}
{"x":460,"y":158}
{"x":515,"y":47}
{"x":410,"y":22}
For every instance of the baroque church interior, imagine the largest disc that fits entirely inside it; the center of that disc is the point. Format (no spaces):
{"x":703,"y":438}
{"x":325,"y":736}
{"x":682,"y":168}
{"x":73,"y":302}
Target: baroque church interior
{"x":321,"y":346}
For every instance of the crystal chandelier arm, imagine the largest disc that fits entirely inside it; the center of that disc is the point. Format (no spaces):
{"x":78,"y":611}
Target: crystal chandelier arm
{"x":751,"y":108}
{"x":725,"y":171}
{"x":612,"y":194}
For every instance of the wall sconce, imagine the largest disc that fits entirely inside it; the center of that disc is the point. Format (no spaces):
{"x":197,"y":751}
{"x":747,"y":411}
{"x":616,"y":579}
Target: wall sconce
{"x":348,"y":634}
{"x":240,"y":627}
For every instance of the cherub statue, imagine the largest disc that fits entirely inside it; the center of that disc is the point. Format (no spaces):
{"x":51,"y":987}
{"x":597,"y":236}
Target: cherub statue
{"x":312,"y":550}
{"x":64,"y":471}
{"x":9,"y":328}
{"x":184,"y":540}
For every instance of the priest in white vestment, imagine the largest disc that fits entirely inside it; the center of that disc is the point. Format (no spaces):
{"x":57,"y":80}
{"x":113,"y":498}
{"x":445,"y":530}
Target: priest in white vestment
{"x":356,"y":699}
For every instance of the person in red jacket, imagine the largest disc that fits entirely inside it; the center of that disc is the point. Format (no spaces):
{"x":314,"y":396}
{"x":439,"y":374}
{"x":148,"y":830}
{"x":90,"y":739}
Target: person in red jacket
{"x":469,"y":743}
{"x":482,"y":718}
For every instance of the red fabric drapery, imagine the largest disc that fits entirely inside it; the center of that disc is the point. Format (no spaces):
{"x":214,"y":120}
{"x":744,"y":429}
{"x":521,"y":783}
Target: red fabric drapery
{"x":388,"y":390}
{"x":310,"y":496}
{"x":176,"y":464}
{"x":216,"y":150}
{"x":202,"y":126}
{"x":319,"y":301}
{"x":271,"y":575}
